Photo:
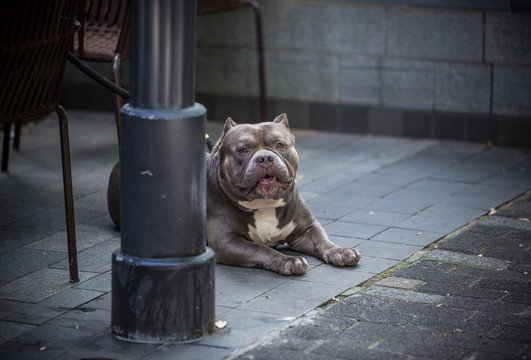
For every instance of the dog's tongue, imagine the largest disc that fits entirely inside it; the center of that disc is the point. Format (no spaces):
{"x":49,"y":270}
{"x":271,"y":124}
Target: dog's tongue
{"x":268,"y":180}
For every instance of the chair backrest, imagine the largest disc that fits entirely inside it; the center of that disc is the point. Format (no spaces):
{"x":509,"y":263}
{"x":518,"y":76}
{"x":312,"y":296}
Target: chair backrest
{"x":99,"y":17}
{"x":34,"y":40}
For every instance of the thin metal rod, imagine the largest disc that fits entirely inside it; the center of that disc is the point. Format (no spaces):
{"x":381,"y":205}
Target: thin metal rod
{"x":69,"y":197}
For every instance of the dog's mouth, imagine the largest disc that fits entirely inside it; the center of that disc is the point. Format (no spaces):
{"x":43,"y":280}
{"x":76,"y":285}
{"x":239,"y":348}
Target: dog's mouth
{"x":267,"y":186}
{"x":267,"y":180}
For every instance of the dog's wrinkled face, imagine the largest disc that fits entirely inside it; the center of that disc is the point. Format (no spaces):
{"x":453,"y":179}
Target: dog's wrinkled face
{"x":258,"y":163}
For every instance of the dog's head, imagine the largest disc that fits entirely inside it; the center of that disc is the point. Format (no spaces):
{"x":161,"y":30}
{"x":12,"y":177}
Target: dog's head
{"x":257,"y":162}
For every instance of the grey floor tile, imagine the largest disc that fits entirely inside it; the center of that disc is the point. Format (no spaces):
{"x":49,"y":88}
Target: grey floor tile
{"x":339,"y":199}
{"x":420,"y":223}
{"x":518,"y":177}
{"x":374,"y":217}
{"x":407,"y":236}
{"x":95,"y":259}
{"x":189,"y":352}
{"x":10,"y":330}
{"x":52,"y":336}
{"x":443,"y":187}
{"x":394,"y":180}
{"x":301,"y":288}
{"x":39,"y":285}
{"x":443,"y":212}
{"x":22,"y":261}
{"x":330,"y":274}
{"x":281,"y":304}
{"x":232,"y":339}
{"x":101,"y":303}
{"x":84,"y":315}
{"x":354,"y":230}
{"x":483,"y":197}
{"x":363,"y":189}
{"x":53,"y":306}
{"x":13,"y":350}
{"x":374,"y":265}
{"x":467,"y":172}
{"x":10,"y":240}
{"x":326,"y":211}
{"x":408,"y":194}
{"x":8,"y":307}
{"x":384,"y":250}
{"x":86,"y":236}
{"x":100,"y":283}
{"x":404,"y":206}
{"x":240,"y":287}
{"x":106,"y":343}
{"x":345,"y":241}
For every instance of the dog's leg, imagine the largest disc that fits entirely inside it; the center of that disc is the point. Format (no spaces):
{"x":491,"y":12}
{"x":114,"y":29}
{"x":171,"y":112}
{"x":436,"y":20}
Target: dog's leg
{"x":315,"y":242}
{"x":240,"y":252}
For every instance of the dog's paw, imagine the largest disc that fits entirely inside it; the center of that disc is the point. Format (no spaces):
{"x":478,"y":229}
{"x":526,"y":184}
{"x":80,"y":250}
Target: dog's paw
{"x":342,"y":256}
{"x":293,"y":265}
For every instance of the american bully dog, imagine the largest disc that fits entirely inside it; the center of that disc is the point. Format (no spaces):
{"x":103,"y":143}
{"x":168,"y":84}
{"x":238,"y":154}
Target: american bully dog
{"x":253,"y":203}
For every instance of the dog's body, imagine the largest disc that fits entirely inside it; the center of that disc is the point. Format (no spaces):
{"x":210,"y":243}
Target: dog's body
{"x":253,"y":203}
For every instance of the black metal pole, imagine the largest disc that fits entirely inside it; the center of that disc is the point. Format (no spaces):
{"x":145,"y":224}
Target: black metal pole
{"x":163,"y":275}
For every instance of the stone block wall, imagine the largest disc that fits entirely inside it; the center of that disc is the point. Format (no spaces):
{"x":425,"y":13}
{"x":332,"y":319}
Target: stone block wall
{"x":458,"y":69}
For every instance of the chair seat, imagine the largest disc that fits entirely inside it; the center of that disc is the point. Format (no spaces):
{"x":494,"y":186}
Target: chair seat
{"x":99,"y":44}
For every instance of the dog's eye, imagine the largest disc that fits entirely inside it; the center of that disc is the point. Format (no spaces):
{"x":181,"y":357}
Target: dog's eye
{"x":243,"y":150}
{"x":280,"y":146}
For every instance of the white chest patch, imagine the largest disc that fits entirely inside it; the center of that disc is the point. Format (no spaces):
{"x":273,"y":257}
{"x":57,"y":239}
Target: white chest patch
{"x":262,"y":204}
{"x":267,"y":231}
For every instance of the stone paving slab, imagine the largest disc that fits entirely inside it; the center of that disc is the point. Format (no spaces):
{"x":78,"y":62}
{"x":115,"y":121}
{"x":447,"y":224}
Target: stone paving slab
{"x":389,"y":197}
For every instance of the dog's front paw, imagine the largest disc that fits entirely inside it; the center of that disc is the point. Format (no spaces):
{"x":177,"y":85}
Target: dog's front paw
{"x":342,"y":256}
{"x":292,"y":265}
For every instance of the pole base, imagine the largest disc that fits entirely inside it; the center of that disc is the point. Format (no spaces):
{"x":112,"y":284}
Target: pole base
{"x":162,"y":300}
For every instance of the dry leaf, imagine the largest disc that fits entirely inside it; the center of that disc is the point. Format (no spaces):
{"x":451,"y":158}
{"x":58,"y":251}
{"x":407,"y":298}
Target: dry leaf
{"x":418,"y":234}
{"x":220,"y":324}
{"x":492,"y":211}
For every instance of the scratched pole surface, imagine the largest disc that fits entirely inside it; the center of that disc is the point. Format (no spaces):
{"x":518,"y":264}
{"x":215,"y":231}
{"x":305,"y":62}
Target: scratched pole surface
{"x":163,"y":274}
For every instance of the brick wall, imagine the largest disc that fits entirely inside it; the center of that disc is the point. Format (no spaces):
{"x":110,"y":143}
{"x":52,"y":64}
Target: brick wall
{"x":452,"y":69}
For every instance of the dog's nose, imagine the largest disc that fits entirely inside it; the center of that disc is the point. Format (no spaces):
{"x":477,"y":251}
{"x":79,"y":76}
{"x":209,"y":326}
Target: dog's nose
{"x":265,"y":160}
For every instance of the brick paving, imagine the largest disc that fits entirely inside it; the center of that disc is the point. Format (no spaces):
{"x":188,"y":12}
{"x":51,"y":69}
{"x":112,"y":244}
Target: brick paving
{"x":389,"y":197}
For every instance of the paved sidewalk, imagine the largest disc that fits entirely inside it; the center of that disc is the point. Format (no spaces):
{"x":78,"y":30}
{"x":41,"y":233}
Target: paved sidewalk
{"x":389,"y":197}
{"x":467,"y":297}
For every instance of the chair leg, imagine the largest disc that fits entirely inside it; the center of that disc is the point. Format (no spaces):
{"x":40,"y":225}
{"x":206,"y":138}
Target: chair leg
{"x":16,"y":142}
{"x":261,"y":66}
{"x":69,"y":197}
{"x":5,"y":149}
{"x":117,"y":98}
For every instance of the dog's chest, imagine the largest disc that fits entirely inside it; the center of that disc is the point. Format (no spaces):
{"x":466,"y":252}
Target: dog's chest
{"x":266,"y":230}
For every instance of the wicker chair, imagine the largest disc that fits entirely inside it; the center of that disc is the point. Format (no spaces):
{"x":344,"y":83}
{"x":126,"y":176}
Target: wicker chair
{"x":34,"y":43}
{"x":105,"y":37}
{"x":216,"y":6}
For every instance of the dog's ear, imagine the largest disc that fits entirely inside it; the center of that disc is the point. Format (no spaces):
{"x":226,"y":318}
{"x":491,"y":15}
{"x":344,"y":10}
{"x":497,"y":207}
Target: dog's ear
{"x":229,"y":124}
{"x":282,"y":119}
